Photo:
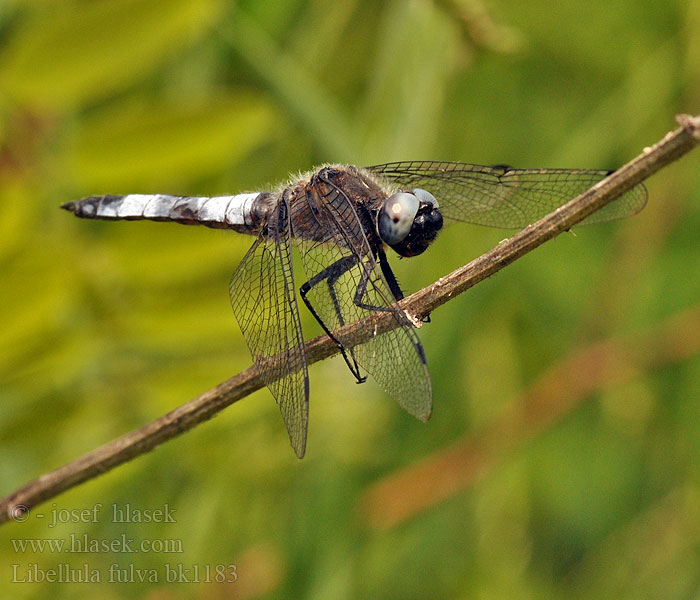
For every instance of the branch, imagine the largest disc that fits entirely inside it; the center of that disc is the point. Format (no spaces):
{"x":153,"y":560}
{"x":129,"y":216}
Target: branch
{"x":176,"y":422}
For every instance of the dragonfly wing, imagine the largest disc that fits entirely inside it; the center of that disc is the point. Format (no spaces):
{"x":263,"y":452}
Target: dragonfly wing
{"x":502,"y":196}
{"x":264,"y":303}
{"x":395,"y":359}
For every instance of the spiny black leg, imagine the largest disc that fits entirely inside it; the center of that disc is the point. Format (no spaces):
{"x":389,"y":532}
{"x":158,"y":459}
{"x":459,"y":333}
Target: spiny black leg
{"x":389,"y":275}
{"x":362,"y":289}
{"x":356,"y":370}
{"x":391,"y":279}
{"x":331,"y":274}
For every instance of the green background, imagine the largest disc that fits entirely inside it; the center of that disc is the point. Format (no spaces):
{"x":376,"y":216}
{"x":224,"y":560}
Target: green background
{"x":563,"y":456}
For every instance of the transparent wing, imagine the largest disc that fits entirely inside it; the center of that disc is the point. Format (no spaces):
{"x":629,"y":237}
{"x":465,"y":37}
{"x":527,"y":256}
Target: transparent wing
{"x":501,"y":196}
{"x":394,"y":359}
{"x":264,"y":303}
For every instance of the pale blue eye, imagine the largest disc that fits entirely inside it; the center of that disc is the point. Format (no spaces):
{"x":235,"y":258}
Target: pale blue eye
{"x":396,"y":217}
{"x":425,"y":197}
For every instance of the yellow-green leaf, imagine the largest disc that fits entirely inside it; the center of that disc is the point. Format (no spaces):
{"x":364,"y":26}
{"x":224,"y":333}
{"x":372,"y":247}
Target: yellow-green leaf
{"x":143,"y":144}
{"x":72,"y":53}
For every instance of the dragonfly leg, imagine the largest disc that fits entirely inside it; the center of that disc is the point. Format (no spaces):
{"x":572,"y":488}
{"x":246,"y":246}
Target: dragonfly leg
{"x":401,"y":315}
{"x":331,"y":274}
{"x":362,"y":290}
{"x":389,"y":275}
{"x":391,"y":280}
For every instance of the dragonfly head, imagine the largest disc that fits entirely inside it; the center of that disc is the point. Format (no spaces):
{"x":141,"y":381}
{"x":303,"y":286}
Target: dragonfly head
{"x":409,"y":222}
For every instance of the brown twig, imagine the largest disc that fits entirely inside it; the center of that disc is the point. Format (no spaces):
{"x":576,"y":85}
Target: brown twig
{"x":140,"y":441}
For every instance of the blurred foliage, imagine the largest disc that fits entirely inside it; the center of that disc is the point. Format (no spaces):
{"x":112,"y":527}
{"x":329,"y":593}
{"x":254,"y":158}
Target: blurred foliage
{"x":563,"y":457}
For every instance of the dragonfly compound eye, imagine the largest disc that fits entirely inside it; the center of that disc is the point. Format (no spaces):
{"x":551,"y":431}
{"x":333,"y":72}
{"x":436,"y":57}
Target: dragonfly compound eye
{"x":396,"y":217}
{"x":425,"y":197}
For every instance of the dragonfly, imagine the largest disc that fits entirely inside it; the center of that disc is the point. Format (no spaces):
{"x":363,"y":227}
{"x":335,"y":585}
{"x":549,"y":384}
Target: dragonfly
{"x":342,"y":219}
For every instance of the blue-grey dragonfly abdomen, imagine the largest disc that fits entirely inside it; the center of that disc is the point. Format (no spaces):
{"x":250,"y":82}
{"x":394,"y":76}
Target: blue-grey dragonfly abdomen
{"x":221,"y":212}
